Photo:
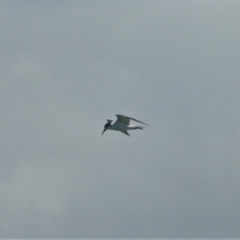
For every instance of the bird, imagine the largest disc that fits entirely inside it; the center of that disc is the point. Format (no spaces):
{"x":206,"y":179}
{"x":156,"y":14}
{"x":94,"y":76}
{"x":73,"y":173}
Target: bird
{"x":122,"y":124}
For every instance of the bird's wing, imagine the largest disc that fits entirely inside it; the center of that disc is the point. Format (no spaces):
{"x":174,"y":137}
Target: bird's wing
{"x":125,"y":132}
{"x":122,"y":119}
{"x":126,"y":120}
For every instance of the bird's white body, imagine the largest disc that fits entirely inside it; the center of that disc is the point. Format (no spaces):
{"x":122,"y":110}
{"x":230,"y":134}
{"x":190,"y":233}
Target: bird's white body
{"x":122,"y":124}
{"x":121,"y":127}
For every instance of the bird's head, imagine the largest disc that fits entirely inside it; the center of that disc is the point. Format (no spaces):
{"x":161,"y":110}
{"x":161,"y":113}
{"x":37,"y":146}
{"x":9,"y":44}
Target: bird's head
{"x":106,"y":126}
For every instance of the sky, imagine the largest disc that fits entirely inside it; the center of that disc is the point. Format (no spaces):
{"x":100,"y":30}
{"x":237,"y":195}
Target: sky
{"x":67,"y":66}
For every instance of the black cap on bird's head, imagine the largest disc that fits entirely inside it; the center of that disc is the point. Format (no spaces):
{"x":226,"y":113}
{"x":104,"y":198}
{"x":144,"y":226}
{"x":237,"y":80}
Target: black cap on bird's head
{"x":106,"y":126}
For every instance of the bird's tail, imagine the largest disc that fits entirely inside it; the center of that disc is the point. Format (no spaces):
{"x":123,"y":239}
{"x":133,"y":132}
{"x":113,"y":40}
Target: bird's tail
{"x":139,"y":127}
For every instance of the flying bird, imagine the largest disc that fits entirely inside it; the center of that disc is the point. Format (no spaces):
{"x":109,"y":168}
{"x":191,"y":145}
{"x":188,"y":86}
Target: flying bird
{"x":122,"y":124}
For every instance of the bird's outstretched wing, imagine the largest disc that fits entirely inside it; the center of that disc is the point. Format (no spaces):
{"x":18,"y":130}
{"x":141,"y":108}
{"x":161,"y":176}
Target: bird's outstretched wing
{"x":125,"y":132}
{"x":125,"y":120}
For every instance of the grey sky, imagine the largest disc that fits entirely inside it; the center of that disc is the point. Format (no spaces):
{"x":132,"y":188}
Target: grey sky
{"x":67,"y":66}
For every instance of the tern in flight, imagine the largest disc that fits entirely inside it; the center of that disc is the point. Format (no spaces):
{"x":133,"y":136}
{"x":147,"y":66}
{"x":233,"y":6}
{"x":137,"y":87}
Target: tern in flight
{"x":122,"y":124}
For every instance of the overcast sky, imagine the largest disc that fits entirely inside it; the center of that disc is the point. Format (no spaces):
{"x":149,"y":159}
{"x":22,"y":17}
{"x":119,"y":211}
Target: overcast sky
{"x":67,"y":66}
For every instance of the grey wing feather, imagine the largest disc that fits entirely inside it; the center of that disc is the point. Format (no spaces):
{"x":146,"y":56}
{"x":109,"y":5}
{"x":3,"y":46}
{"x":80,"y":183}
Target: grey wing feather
{"x":127,"y":119}
{"x":125,"y":132}
{"x":123,"y":119}
{"x":139,"y":121}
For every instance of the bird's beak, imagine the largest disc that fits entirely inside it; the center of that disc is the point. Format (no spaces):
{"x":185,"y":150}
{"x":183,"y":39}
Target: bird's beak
{"x":104,"y":131}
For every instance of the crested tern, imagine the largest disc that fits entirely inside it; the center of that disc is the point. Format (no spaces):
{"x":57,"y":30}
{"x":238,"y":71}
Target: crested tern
{"x":122,"y":124}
